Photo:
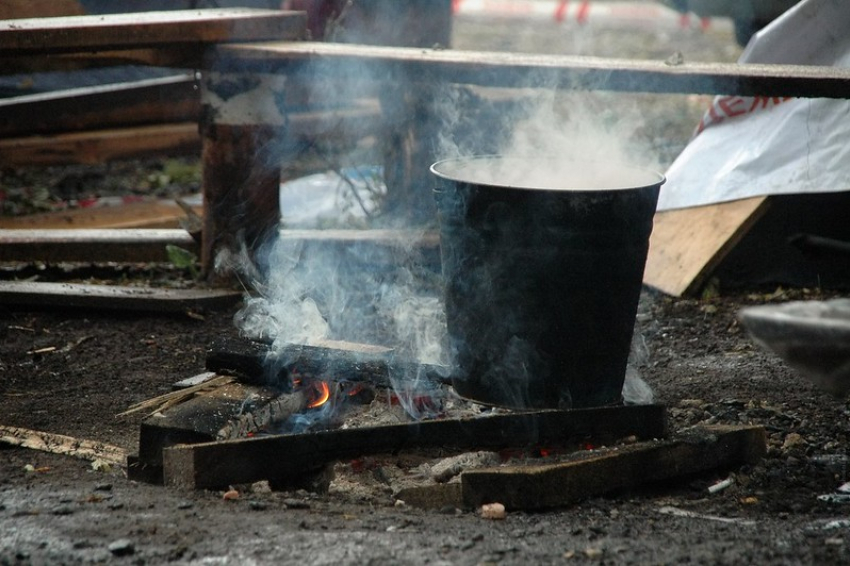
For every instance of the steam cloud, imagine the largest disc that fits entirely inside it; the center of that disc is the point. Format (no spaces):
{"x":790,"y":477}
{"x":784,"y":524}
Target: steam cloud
{"x":308,"y":291}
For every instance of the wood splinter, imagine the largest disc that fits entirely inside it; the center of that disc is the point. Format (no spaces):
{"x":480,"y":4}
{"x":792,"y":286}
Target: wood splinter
{"x":61,"y":444}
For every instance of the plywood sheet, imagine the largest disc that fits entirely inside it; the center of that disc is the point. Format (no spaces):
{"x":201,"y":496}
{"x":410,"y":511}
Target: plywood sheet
{"x":687,"y":244}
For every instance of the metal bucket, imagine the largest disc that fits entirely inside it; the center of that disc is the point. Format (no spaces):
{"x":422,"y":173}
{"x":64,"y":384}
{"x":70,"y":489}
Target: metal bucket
{"x":543,"y":264}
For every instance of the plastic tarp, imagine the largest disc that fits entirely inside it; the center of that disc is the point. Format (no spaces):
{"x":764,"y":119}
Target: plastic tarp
{"x":756,"y":146}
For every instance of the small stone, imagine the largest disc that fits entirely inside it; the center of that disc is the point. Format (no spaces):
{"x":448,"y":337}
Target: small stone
{"x":230,"y":495}
{"x":292,"y":503}
{"x":185,"y":505}
{"x":593,"y":553}
{"x":493,"y":511}
{"x":261,"y":487}
{"x":103,"y":487}
{"x":63,"y":510}
{"x":122,"y":547}
{"x":399,"y":503}
{"x":115,"y":506}
{"x":258,"y":505}
{"x":793,"y":440}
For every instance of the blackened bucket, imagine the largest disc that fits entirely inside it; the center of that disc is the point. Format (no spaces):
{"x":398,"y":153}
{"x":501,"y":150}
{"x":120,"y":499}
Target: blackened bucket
{"x":543,"y":263}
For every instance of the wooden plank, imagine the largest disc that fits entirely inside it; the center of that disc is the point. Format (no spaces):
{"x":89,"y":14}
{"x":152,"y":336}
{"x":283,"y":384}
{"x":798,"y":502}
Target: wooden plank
{"x":206,"y":381}
{"x":500,"y":69}
{"x":61,"y":444}
{"x":100,"y":146}
{"x":91,"y":245}
{"x":546,"y":486}
{"x":241,"y":187}
{"x":79,"y":295}
{"x":149,"y":101}
{"x":13,"y":9}
{"x":381,"y":237}
{"x":160,"y":213}
{"x":177,"y":56}
{"x":216,"y":464}
{"x":147,"y":29}
{"x":688,"y":244}
{"x":196,"y":417}
{"x":251,"y":361}
{"x":169,"y":139}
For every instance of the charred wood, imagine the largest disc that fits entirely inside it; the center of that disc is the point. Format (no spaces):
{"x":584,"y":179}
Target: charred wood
{"x":255,"y":363}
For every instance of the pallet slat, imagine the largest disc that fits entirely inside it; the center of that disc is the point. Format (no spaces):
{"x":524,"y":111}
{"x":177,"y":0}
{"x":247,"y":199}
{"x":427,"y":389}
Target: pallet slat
{"x":94,"y":245}
{"x":142,"y":29}
{"x":520,"y":70}
{"x":78,"y":295}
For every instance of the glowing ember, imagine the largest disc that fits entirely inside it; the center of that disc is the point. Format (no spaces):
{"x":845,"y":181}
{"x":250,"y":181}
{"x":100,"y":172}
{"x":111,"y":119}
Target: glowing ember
{"x":320,"y":392}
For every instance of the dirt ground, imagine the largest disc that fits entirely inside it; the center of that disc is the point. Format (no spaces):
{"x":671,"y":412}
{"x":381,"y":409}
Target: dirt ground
{"x":701,"y":365}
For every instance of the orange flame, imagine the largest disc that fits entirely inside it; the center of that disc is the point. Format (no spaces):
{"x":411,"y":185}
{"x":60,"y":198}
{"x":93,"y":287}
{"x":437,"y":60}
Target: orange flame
{"x":322,"y":394}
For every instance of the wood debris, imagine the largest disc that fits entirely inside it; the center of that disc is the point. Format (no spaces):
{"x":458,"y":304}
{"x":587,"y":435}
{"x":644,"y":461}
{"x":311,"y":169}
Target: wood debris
{"x":61,"y":444}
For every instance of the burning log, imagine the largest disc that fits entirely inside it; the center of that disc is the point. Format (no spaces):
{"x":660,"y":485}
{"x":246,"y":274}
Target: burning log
{"x":265,"y":416}
{"x":254,"y":363}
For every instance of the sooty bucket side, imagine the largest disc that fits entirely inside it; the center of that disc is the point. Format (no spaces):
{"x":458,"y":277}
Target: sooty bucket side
{"x":542,"y":277}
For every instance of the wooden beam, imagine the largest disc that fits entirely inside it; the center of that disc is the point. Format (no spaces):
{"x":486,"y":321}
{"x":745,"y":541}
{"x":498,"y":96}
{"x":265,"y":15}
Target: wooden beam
{"x":91,"y":245}
{"x":149,"y":101}
{"x":61,"y":444}
{"x":216,"y":464}
{"x":241,"y":186}
{"x":499,"y":69}
{"x":177,"y":56}
{"x":546,"y":486}
{"x":42,"y":36}
{"x":160,"y":213}
{"x":688,"y":244}
{"x":256,"y":363}
{"x":113,"y":297}
{"x":99,"y":146}
{"x":15,"y":9}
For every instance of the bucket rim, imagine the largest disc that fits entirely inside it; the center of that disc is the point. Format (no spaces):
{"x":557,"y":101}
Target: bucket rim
{"x":650,"y":177}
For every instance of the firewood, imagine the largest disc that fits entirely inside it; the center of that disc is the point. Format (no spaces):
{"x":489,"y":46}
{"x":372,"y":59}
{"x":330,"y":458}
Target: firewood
{"x":163,"y":402}
{"x":555,"y":485}
{"x":215,"y":464}
{"x":61,"y":444}
{"x":274,"y":412}
{"x":253,"y":362}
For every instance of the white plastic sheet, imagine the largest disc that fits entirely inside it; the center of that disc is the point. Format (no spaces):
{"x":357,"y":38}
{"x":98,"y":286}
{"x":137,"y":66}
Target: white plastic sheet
{"x":748,"y":147}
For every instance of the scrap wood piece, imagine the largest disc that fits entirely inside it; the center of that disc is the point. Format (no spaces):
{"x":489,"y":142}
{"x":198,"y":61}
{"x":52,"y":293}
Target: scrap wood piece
{"x":141,"y":29}
{"x":196,"y":419}
{"x":520,"y":70}
{"x":256,"y":363}
{"x":61,"y":444}
{"x":146,"y":101}
{"x":215,"y":464}
{"x":163,"y":402}
{"x":263,"y":416}
{"x":141,"y":214}
{"x":92,"y":245}
{"x":100,"y":146}
{"x":115,"y":297}
{"x":687,"y":245}
{"x":555,"y":485}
